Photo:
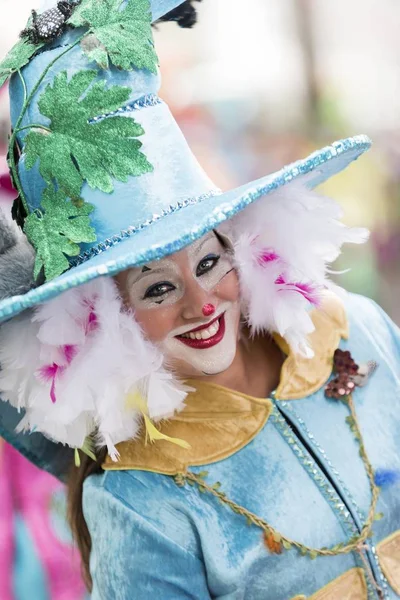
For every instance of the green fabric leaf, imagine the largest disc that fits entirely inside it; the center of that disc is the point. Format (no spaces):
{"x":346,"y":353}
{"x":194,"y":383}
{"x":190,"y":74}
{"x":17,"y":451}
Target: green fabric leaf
{"x":75,"y":150}
{"x":56,"y":232}
{"x":17,"y":58}
{"x":124,"y":32}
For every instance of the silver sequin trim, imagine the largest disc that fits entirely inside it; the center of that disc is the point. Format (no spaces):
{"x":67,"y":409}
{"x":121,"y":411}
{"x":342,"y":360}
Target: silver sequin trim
{"x":316,"y":474}
{"x":126,"y":233}
{"x":289,"y":407}
{"x":143,"y":102}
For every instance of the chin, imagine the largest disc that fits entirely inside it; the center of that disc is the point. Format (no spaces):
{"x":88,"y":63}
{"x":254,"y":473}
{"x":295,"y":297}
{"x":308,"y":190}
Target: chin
{"x":191,"y":361}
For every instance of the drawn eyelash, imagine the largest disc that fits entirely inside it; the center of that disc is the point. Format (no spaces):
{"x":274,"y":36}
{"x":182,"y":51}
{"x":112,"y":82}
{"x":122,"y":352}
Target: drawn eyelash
{"x":210,"y":258}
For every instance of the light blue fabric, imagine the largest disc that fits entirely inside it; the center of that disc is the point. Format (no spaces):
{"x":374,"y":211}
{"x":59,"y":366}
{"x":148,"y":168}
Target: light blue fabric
{"x":29,"y":576}
{"x":152,"y":538}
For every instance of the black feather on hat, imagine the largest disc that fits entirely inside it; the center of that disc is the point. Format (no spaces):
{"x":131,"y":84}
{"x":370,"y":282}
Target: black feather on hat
{"x":185,"y":14}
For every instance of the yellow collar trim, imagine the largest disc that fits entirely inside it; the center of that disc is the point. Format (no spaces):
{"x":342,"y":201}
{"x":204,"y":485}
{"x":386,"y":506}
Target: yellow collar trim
{"x":302,"y":377}
{"x":217,"y":422}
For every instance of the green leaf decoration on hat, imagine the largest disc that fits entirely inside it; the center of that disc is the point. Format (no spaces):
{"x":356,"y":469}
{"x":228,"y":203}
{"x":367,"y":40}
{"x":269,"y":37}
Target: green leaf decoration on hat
{"x":56,"y":232}
{"x":122,"y":32}
{"x":17,"y":58}
{"x":75,"y":147}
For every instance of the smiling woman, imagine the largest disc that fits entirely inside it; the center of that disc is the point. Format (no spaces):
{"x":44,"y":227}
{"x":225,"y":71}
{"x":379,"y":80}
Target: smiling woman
{"x":171,"y":299}
{"x":187,"y":344}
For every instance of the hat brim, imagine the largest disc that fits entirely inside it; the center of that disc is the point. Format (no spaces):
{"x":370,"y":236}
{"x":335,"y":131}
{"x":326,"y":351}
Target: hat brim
{"x":184,"y":226}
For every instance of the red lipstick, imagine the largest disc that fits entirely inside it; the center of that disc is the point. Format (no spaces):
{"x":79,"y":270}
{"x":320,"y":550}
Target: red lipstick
{"x":212,"y":341}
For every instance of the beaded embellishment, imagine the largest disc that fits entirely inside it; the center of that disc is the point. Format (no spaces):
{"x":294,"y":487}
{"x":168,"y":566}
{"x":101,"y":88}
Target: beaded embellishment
{"x":49,"y":25}
{"x":348,"y":375}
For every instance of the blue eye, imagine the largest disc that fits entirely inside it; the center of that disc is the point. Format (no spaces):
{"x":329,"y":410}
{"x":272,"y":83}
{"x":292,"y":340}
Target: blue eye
{"x":159,"y":289}
{"x":206,"y":264}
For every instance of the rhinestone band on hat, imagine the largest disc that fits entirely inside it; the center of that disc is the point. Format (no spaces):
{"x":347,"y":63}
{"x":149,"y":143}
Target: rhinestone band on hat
{"x":125,"y":233}
{"x":143,"y":102}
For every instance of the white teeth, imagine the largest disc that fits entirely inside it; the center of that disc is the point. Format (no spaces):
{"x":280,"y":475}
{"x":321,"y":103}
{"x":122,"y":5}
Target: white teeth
{"x":203,"y":334}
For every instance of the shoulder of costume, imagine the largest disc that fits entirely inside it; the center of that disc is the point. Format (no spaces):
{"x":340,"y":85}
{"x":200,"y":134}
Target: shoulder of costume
{"x":367,"y":318}
{"x":372,"y":333}
{"x":302,"y":376}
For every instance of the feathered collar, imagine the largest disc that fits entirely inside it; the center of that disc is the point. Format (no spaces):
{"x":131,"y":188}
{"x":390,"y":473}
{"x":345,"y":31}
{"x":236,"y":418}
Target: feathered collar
{"x":217,"y":422}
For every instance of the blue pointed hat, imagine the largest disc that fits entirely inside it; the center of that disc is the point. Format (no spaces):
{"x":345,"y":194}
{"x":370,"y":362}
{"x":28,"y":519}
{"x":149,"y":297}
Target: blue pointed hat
{"x":105,"y":174}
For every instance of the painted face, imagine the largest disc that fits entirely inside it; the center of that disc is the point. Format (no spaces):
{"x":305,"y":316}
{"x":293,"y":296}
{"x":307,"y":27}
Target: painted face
{"x":189,"y":304}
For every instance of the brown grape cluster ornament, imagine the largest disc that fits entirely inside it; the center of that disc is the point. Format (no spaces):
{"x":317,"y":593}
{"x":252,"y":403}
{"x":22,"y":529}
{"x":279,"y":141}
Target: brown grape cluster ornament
{"x":348,"y":375}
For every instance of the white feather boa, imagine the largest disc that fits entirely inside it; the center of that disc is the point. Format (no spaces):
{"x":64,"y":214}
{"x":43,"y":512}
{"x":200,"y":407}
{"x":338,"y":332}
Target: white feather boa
{"x":73,"y":361}
{"x":283,"y":244}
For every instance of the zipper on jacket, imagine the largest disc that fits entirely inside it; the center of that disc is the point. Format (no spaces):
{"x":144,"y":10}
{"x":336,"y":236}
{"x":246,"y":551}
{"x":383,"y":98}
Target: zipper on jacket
{"x":378,"y":582}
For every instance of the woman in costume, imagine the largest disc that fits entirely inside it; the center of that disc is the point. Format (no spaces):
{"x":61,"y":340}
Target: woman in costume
{"x":234,"y":422}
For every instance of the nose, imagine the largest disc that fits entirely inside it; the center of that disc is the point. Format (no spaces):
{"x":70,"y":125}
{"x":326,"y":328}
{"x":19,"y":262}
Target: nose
{"x":197,"y":303}
{"x":208,"y":310}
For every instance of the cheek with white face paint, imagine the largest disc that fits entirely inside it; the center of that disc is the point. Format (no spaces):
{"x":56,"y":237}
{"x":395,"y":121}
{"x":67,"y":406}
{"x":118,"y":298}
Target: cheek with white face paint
{"x":214,"y":348}
{"x":210,"y":360}
{"x":168,"y":313}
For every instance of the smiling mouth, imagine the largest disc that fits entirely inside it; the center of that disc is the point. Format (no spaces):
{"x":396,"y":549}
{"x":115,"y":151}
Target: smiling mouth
{"x":205,"y":336}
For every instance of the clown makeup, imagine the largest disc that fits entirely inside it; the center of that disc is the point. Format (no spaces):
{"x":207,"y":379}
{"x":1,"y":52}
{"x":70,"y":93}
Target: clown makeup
{"x":188,"y":303}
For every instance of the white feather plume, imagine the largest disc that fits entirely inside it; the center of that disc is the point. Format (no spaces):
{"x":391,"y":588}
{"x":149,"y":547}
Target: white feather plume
{"x":107,"y":357}
{"x":283,"y":244}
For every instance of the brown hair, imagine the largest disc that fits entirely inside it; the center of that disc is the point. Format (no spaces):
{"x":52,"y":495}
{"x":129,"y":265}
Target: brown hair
{"x":76,"y":518}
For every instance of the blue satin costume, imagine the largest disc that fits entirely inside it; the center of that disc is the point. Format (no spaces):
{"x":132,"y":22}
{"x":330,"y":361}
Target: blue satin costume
{"x":301,"y":472}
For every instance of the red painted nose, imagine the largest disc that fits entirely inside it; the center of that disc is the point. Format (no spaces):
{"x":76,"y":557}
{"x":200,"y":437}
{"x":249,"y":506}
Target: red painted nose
{"x":208,"y":310}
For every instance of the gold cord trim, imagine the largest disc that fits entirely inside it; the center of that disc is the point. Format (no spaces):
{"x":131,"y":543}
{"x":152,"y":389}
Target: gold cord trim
{"x":354,"y":543}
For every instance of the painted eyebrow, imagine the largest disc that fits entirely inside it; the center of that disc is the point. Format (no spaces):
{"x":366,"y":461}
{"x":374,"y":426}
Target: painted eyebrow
{"x":207,"y":239}
{"x":146,"y":273}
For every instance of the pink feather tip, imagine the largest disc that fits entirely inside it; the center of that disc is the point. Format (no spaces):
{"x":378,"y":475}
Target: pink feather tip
{"x":53,"y":391}
{"x":266,"y":256}
{"x":49,"y":373}
{"x":92,"y":322}
{"x":309,"y":291}
{"x":70,"y":351}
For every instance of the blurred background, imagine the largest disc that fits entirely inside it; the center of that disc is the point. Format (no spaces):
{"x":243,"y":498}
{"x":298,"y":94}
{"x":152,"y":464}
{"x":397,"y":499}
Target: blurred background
{"x":254,"y":86}
{"x":258,"y":84}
